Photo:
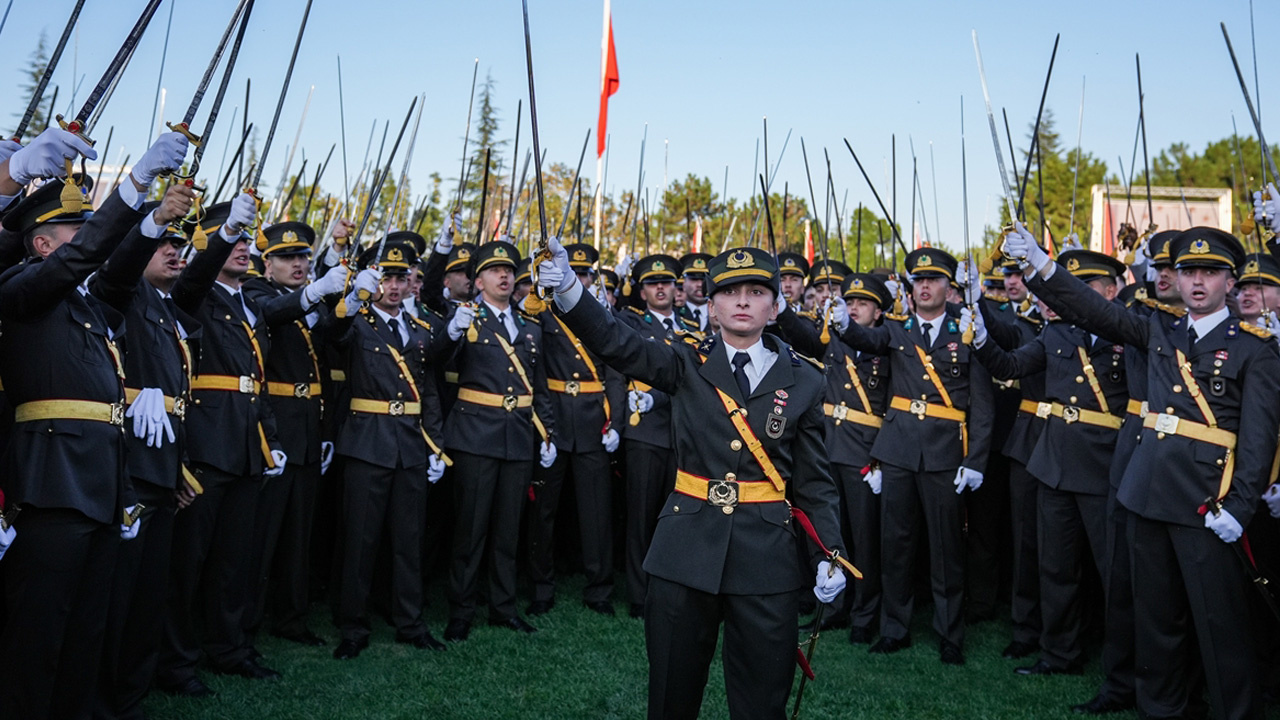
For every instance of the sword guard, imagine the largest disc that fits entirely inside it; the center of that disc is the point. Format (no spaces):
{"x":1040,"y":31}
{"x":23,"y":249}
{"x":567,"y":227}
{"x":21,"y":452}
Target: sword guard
{"x":185,"y":129}
{"x":74,"y":127}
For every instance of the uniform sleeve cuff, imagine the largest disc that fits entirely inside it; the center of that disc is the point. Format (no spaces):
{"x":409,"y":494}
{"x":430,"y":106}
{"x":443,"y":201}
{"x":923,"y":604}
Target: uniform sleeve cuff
{"x":129,"y":194}
{"x":568,"y":299}
{"x":150,"y":228}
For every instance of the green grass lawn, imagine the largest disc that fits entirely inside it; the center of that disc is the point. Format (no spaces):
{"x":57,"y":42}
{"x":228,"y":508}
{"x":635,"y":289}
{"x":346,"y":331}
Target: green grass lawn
{"x":583,"y":665}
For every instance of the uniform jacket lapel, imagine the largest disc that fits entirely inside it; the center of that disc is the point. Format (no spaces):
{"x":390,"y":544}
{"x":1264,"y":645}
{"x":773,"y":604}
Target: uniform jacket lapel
{"x":716,"y":370}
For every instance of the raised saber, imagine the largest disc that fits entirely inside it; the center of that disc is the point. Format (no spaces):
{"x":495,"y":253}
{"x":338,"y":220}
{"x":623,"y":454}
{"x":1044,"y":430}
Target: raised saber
{"x":536,"y":301}
{"x":995,"y":135}
{"x":217,"y":99}
{"x":284,"y":90}
{"x":1075,"y":175}
{"x":184,"y":126}
{"x":1248,"y":101}
{"x":572,"y":188}
{"x":466,"y":140}
{"x":1146,"y":164}
{"x":38,"y":95}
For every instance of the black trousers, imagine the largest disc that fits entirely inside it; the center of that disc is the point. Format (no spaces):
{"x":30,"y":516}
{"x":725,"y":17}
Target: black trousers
{"x":59,"y":578}
{"x":593,"y":492}
{"x":282,"y":536}
{"x":1072,"y":532}
{"x":1188,"y":588}
{"x":489,"y":497}
{"x":681,"y":627}
{"x":861,"y":531}
{"x":376,"y":498}
{"x":209,"y":577}
{"x":1024,"y":499}
{"x":905,"y":497}
{"x":987,"y":537}
{"x":1117,"y":647}
{"x":139,"y":586}
{"x":651,"y":476}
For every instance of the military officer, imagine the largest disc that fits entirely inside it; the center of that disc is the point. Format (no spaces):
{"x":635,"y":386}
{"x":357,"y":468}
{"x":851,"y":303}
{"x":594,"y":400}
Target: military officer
{"x":794,"y":270}
{"x":931,"y":449}
{"x":1258,"y":289}
{"x":723,"y":550}
{"x":694,"y":271}
{"x":1208,"y":441}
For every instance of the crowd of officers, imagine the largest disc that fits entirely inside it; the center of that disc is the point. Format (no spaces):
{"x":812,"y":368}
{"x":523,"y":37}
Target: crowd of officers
{"x":206,"y":426}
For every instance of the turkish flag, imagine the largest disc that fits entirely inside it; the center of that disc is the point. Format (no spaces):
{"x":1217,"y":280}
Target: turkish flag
{"x":608,"y":84}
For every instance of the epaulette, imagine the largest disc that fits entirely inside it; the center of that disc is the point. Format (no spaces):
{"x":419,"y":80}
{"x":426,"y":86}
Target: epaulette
{"x":1175,"y":311}
{"x":706,"y":345}
{"x":422,"y":323}
{"x":995,"y":296}
{"x":636,"y":310}
{"x":797,"y":357}
{"x":899,"y":318}
{"x":1256,"y":331}
{"x":807,"y":314}
{"x":1034,"y":321}
{"x":530,"y":317}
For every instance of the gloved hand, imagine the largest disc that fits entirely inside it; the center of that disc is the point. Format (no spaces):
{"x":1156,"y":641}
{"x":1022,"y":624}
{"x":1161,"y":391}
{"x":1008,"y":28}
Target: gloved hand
{"x":8,"y":148}
{"x":280,"y":459}
{"x":7,"y":536}
{"x":610,"y":440}
{"x":639,"y":401}
{"x":839,"y":314}
{"x":1021,"y":245}
{"x":894,"y":287}
{"x":165,"y":156}
{"x":244,"y":208}
{"x":326,"y":456}
{"x":46,"y":156}
{"x":1072,"y":242}
{"x":547,"y":454}
{"x":971,"y":280}
{"x":150,"y":421}
{"x":782,"y":303}
{"x":555,"y":273}
{"x":966,"y":478}
{"x":825,"y":587}
{"x":971,"y":317}
{"x":444,"y":241}
{"x":1272,"y":498}
{"x":874,"y":479}
{"x":331,"y":283}
{"x":367,"y":280}
{"x":1226,"y":527}
{"x":435,"y":468}
{"x":1265,"y":210}
{"x":461,"y":320}
{"x":129,"y":532}
{"x":601,"y":295}
{"x":623,"y":268}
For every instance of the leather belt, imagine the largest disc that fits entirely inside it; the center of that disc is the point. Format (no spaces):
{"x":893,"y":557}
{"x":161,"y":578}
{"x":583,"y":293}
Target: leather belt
{"x":573,"y":388}
{"x":230,"y":383}
{"x":843,"y":413}
{"x":506,"y":402}
{"x":174,"y":406}
{"x":111,"y":413}
{"x":1165,"y":424}
{"x":1138,"y":408}
{"x":922,"y":409}
{"x":1032,"y":407}
{"x":1071,"y":414}
{"x":302,"y":391}
{"x":395,"y":408}
{"x":727,"y":492}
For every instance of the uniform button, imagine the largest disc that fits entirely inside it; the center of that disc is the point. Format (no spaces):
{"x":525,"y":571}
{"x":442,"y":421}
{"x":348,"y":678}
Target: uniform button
{"x":510,"y":389}
{"x":399,"y":394}
{"x":1079,"y":379}
{"x":1177,"y":388}
{"x":1217,"y":372}
{"x":253,"y":399}
{"x":228,"y":317}
{"x":1168,"y":411}
{"x":511,"y":369}
{"x":675,"y":508}
{"x":575,"y":376}
{"x":88,"y":326}
{"x":924,"y":377}
{"x":735,"y":445}
{"x":1159,"y":436}
{"x":727,"y":509}
{"x":1219,"y":461}
{"x":577,"y":356}
{"x":402,"y":377}
{"x":1073,"y":400}
{"x":848,"y":386}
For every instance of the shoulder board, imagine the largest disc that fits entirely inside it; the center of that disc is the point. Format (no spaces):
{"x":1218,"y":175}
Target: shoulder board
{"x":705,"y":346}
{"x":797,"y":357}
{"x":808,"y":314}
{"x":691,"y":340}
{"x":1255,"y":330}
{"x":899,"y":318}
{"x":689,"y":323}
{"x":531,"y":318}
{"x":1033,"y":321}
{"x":421,"y":322}
{"x":1176,"y":311}
{"x":636,"y":310}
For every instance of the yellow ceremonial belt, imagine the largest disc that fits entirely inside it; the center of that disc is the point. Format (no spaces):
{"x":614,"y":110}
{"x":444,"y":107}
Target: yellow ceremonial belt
{"x":1165,"y":424}
{"x":843,"y":413}
{"x":575,"y":387}
{"x":173,"y":406}
{"x":111,"y":413}
{"x":727,"y":492}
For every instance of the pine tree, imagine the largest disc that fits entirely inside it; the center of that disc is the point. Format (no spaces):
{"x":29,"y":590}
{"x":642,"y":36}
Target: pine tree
{"x":39,"y":61}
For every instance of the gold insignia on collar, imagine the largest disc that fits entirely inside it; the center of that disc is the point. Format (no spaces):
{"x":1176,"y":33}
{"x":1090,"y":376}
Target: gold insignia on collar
{"x":395,"y":255}
{"x":1073,"y":265}
{"x":1199,"y":247}
{"x":739,"y":259}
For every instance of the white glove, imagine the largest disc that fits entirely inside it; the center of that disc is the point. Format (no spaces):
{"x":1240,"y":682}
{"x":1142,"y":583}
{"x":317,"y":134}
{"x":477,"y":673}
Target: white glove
{"x":1264,"y":210}
{"x":129,"y":532}
{"x":1072,"y":242}
{"x":839,"y":310}
{"x":444,"y":241}
{"x":971,"y":279}
{"x":555,"y":273}
{"x":1272,"y":498}
{"x":6,"y":539}
{"x":610,"y":440}
{"x":331,"y":283}
{"x":1021,"y":245}
{"x":639,"y":401}
{"x":894,"y":287}
{"x":435,"y":468}
{"x":623,"y":267}
{"x":781,"y":304}
{"x":150,"y":421}
{"x":548,"y":454}
{"x":966,"y":478}
{"x":8,"y":148}
{"x":874,"y":478}
{"x":280,"y":459}
{"x":326,"y":456}
{"x":601,"y":295}
{"x":1226,"y":527}
{"x":244,"y":208}
{"x":367,"y":280}
{"x":165,"y":156}
{"x":825,"y":587}
{"x":461,"y":320}
{"x":46,"y":156}
{"x":974,"y":317}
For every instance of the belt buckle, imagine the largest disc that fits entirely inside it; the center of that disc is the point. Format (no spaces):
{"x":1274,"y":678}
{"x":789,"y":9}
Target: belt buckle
{"x":723,"y":493}
{"x":117,"y":414}
{"x":1146,"y":408}
{"x":509,"y":403}
{"x":395,"y":408}
{"x":1070,"y":414}
{"x":302,"y":390}
{"x":180,"y":407}
{"x":572,"y":388}
{"x":1167,"y":424}
{"x":840,"y":412}
{"x":1044,"y":410}
{"x":918,"y":408}
{"x":246,"y":384}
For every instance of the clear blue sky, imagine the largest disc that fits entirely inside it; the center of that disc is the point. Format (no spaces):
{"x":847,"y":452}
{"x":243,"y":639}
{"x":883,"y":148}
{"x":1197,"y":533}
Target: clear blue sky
{"x":701,"y":74}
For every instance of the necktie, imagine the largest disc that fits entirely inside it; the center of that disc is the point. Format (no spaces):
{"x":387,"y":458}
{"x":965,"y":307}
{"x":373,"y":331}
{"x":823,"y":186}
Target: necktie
{"x":697,"y":317}
{"x":397,"y":340}
{"x":502,"y":320}
{"x":671,"y":328}
{"x":1192,"y":336}
{"x":926,"y":327}
{"x":740,"y":361}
